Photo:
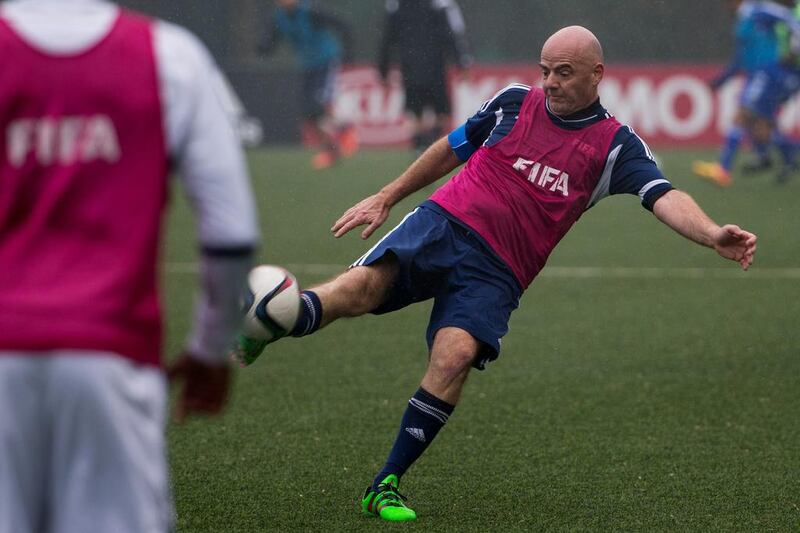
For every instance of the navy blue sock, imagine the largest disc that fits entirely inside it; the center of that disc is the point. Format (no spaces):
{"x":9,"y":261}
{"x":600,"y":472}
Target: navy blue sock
{"x":424,"y":417}
{"x":310,"y":315}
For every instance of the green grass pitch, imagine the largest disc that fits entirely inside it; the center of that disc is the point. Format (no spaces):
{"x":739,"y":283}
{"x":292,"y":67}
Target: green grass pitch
{"x":655,"y":389}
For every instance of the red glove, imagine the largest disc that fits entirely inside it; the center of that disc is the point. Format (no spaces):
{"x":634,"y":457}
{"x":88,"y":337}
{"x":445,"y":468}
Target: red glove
{"x":205,"y":387}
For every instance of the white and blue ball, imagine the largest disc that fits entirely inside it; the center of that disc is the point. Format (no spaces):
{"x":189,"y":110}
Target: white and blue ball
{"x":272,"y":303}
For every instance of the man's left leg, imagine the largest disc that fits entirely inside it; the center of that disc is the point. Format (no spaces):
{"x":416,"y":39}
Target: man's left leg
{"x":452,"y":355}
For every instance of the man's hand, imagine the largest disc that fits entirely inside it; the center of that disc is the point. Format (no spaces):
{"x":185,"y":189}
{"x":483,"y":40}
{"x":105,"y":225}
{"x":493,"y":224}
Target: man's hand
{"x":679,"y":211}
{"x":732,"y":242}
{"x":438,"y":160}
{"x":372,"y":210}
{"x":205,"y":387}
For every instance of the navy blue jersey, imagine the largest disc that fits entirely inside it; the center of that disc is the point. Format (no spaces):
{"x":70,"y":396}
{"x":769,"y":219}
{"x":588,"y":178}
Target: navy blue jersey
{"x":633,"y":168}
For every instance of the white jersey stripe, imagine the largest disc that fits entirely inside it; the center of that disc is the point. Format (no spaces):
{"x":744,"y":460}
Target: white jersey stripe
{"x":647,"y":150}
{"x":602,"y":189}
{"x":499,"y":114}
{"x":501,"y":91}
{"x":649,"y":186}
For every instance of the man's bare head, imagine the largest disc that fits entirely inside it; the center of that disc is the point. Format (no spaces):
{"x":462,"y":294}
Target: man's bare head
{"x":572,"y":67}
{"x":576,"y":40}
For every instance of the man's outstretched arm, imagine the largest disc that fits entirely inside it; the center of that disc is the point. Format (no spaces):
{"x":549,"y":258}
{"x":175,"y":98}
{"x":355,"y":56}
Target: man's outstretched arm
{"x":437,"y":161}
{"x":680,"y":212}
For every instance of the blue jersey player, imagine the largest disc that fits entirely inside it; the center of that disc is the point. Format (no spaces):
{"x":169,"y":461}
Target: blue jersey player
{"x":534,"y":160}
{"x":781,"y":81}
{"x":763,"y":32}
{"x":321,"y":42}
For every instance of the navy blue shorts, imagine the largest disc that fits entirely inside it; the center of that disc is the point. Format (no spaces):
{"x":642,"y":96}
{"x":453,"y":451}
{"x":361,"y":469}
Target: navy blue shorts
{"x":766,"y":90}
{"x":441,"y":259}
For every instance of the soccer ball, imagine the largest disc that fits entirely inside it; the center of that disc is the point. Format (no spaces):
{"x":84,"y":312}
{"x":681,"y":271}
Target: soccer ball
{"x":272,"y":303}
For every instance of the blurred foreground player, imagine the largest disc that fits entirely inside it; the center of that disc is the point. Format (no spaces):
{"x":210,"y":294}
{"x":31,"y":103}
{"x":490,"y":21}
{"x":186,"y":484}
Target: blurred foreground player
{"x":95,"y":102}
{"x":536,"y":160}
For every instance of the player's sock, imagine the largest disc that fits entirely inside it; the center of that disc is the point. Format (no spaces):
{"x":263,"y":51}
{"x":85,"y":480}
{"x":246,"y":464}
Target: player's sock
{"x":787,"y":147}
{"x":310,"y":315}
{"x":732,"y":141}
{"x":347,"y":137}
{"x":424,"y":417}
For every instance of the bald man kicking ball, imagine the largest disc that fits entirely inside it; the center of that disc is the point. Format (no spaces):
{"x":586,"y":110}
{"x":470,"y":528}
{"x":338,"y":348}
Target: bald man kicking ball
{"x":535,"y":159}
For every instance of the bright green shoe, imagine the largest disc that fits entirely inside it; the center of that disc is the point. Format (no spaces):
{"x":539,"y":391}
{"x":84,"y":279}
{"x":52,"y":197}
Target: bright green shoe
{"x":386,"y":502}
{"x":247,"y":349}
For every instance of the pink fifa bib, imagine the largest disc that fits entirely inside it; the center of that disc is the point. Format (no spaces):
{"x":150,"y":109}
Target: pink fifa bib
{"x":83,"y":170}
{"x":524,"y":193}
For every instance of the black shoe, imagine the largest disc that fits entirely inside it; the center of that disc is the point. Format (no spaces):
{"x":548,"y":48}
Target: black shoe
{"x":785,"y":174}
{"x":759,"y":165}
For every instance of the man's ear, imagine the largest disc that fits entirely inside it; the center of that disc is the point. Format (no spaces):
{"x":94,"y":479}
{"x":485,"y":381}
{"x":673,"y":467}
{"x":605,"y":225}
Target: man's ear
{"x":597,"y":73}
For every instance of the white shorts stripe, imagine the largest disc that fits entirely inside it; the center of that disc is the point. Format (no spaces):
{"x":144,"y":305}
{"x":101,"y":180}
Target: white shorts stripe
{"x":360,"y":260}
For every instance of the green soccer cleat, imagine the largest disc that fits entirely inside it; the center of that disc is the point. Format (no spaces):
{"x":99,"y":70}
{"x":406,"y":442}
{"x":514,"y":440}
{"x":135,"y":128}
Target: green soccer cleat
{"x":247,"y":349}
{"x":386,"y":502}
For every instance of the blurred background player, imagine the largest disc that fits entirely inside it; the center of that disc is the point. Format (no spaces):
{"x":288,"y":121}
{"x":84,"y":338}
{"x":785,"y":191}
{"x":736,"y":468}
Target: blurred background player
{"x":764,"y":52}
{"x":756,"y":46}
{"x":321,"y":43}
{"x":424,"y":36}
{"x":95,"y":102}
{"x":781,"y":83}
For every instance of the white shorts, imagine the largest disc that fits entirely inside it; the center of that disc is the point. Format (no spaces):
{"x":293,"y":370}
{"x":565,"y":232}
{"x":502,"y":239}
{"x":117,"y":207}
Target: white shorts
{"x":82,"y":446}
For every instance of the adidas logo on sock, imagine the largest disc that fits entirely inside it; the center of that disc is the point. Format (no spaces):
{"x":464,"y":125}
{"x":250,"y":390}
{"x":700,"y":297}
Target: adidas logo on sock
{"x":416,"y":433}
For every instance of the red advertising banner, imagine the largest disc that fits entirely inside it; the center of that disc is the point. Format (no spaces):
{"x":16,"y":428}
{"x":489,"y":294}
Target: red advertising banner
{"x":667,"y":105}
